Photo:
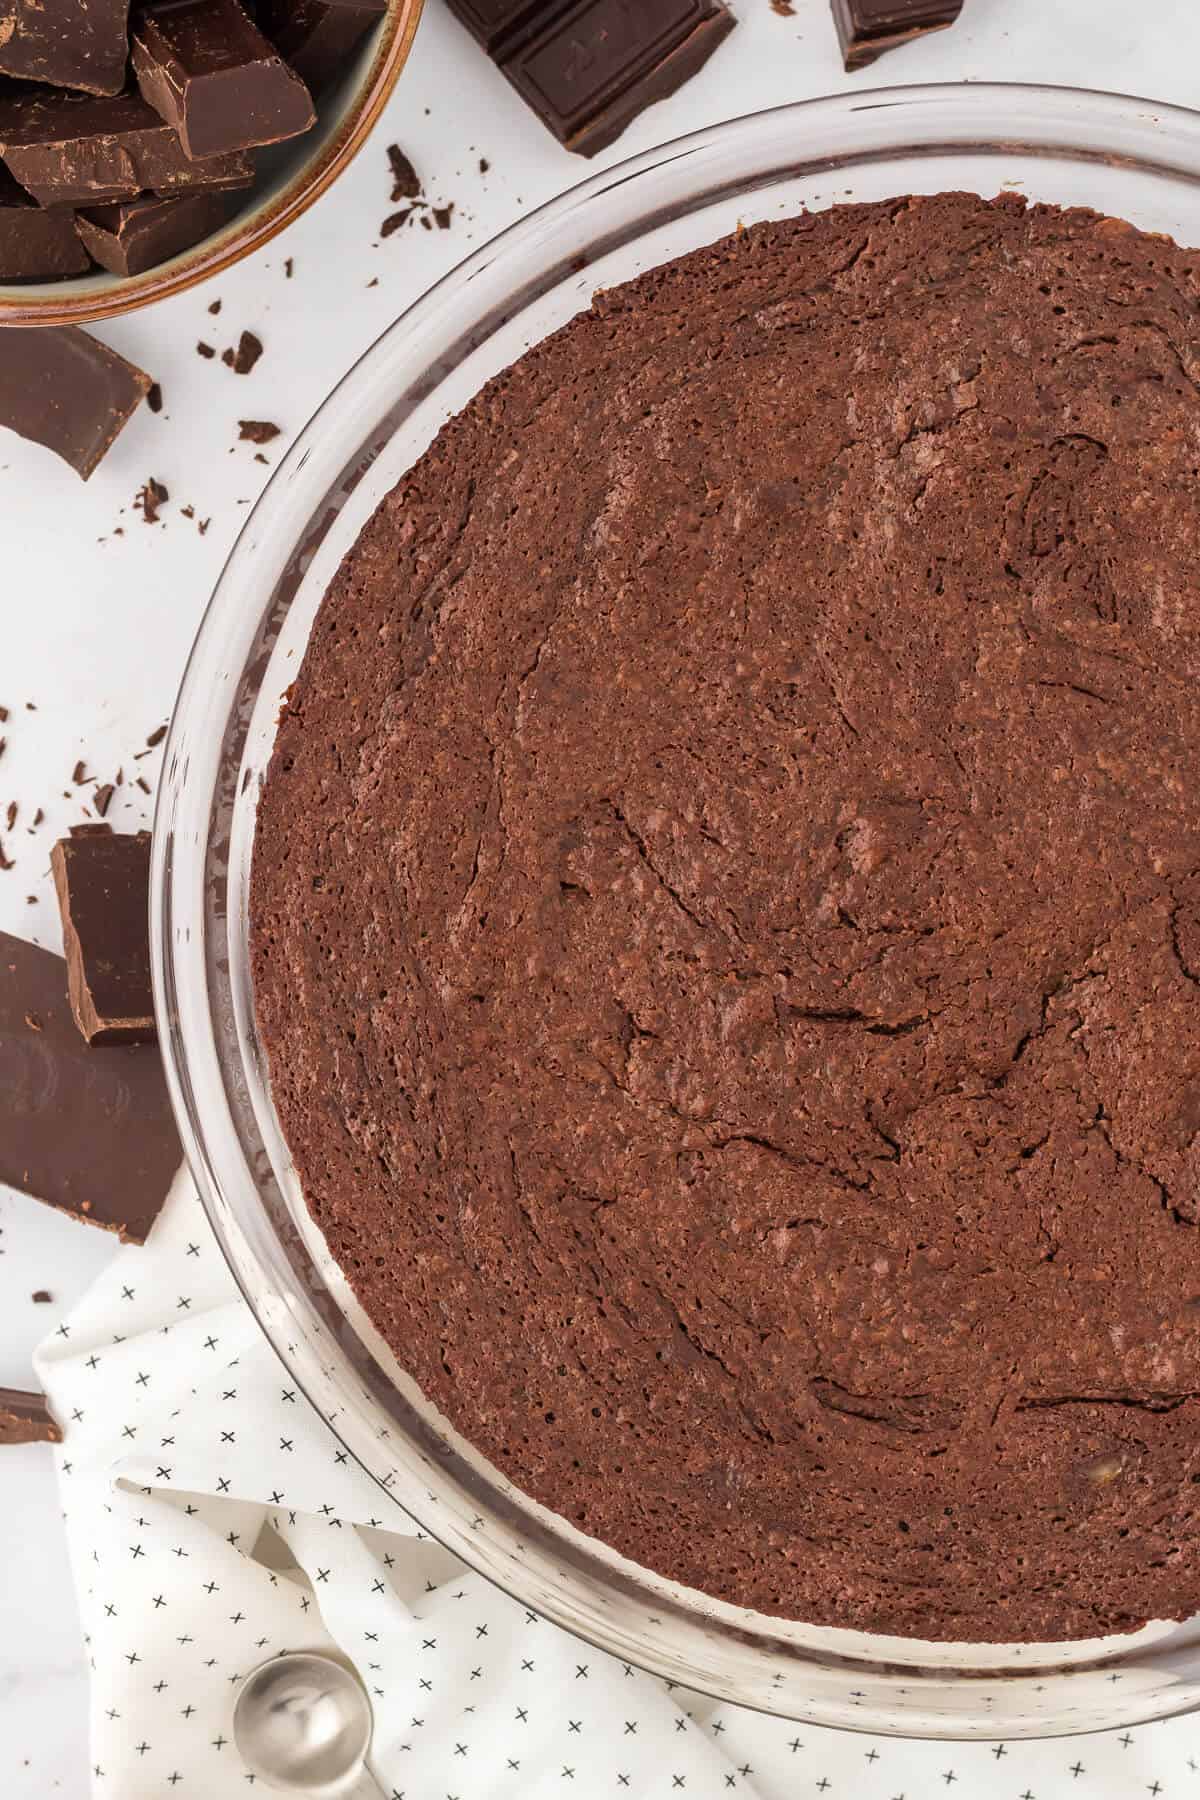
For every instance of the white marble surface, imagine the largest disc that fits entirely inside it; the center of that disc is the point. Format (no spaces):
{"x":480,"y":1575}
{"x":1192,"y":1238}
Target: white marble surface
{"x":97,"y":626}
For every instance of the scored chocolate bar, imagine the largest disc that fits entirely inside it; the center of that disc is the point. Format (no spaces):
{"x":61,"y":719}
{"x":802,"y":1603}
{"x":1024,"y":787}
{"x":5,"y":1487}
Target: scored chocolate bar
{"x":35,"y":242}
{"x":589,"y":67}
{"x":89,"y":1131}
{"x":74,"y":150}
{"x":66,"y":42}
{"x":866,"y":28}
{"x":64,"y":389}
{"x":209,"y":71}
{"x":131,"y":236}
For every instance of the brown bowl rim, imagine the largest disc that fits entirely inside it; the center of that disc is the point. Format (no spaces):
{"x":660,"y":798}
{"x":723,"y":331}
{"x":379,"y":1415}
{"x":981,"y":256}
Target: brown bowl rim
{"x":396,"y":32}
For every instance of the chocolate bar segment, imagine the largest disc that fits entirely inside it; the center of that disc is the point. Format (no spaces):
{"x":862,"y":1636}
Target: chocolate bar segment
{"x":25,"y":1417}
{"x":131,"y":236}
{"x":74,"y":150}
{"x":88,"y":1131}
{"x":590,"y":67}
{"x":103,"y":886}
{"x":316,"y":36}
{"x":866,"y":28}
{"x":66,"y":390}
{"x":209,"y":71}
{"x":69,"y":43}
{"x":36,"y":243}
{"x":495,"y":23}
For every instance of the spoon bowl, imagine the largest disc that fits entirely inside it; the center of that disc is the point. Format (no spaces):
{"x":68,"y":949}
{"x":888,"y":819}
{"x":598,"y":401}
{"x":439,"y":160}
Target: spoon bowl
{"x":302,"y":1724}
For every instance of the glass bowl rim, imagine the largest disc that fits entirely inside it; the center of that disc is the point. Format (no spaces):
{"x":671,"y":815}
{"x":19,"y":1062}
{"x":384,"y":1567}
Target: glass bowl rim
{"x":179,"y":956}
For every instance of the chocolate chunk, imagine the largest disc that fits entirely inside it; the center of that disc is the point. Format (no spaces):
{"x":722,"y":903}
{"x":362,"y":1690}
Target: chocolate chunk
{"x":88,"y":1131}
{"x":36,"y":243}
{"x":103,"y":886}
{"x":68,"y":391}
{"x":209,"y":71}
{"x":243,"y":359}
{"x":25,"y":1418}
{"x":205,"y":350}
{"x":41,"y":1297}
{"x":66,"y":43}
{"x":866,"y":28}
{"x":149,"y":498}
{"x":590,"y":67}
{"x":316,"y":36}
{"x":154,"y":399}
{"x":74,"y":150}
{"x":406,"y":183}
{"x":257,"y":431}
{"x":133,"y":235}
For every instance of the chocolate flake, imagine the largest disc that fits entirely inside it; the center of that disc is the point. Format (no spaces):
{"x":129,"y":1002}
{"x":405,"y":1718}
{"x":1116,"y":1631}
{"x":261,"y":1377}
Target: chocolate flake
{"x":257,"y":431}
{"x":243,"y":359}
{"x":406,"y":183}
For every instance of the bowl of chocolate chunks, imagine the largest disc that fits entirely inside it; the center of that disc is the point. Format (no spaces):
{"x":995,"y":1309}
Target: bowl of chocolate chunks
{"x":144,"y":147}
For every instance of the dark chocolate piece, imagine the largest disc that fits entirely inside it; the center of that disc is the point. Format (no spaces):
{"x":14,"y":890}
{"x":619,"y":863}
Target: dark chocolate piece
{"x":316,"y":36}
{"x":41,"y":1297}
{"x":209,"y":71}
{"x":88,"y":1131}
{"x":257,"y":431}
{"x":36,"y":242}
{"x":67,"y":43}
{"x":866,"y":28}
{"x":68,"y":391}
{"x":103,"y":886}
{"x":133,"y":235}
{"x":243,"y":359}
{"x":74,"y":150}
{"x":25,"y":1417}
{"x":588,"y":69}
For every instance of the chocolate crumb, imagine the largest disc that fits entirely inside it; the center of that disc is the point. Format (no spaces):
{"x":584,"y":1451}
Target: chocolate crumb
{"x":288,"y":266}
{"x":144,"y":785}
{"x":406,"y":183}
{"x":38,"y":816}
{"x":188,"y":511}
{"x":156,"y":736}
{"x":205,"y":350}
{"x":784,"y":8}
{"x":214,"y":307}
{"x":29,"y":706}
{"x":102,"y":799}
{"x":203,"y":526}
{"x":257,"y":431}
{"x":42,"y":1297}
{"x":6,"y":862}
{"x":443,"y":215}
{"x":154,"y":397}
{"x":394,"y":221}
{"x":243,"y":359}
{"x":150,"y":498}
{"x":3,"y":743}
{"x":3,"y":714}
{"x":31,"y":899}
{"x":79,"y":773}
{"x":11,"y":814}
{"x":119,"y":778}
{"x":484,"y":165}
{"x":259,"y":457}
{"x":374,"y":281}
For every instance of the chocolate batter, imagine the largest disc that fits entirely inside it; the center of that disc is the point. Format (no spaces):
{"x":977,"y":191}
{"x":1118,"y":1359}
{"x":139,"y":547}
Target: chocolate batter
{"x":727,"y":921}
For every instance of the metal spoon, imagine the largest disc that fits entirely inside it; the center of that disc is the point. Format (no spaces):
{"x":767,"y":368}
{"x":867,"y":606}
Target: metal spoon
{"x":302,"y":1724}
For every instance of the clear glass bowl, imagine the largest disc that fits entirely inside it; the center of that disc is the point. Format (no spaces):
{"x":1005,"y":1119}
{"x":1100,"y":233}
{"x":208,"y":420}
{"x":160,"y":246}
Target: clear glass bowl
{"x":1122,"y":156}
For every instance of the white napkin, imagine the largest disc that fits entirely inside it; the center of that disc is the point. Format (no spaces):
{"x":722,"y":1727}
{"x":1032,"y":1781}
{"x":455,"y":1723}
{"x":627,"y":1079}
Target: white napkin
{"x":183,"y":1439}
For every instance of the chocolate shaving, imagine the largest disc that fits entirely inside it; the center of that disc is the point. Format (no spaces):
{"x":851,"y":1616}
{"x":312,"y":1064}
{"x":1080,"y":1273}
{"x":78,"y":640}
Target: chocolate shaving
{"x":102,"y":798}
{"x":257,"y":431}
{"x":406,"y":183}
{"x":150,"y":498}
{"x":243,"y":359}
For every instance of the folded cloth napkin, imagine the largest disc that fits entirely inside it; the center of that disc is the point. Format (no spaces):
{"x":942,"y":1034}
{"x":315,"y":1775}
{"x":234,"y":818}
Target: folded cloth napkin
{"x":213,"y":1519}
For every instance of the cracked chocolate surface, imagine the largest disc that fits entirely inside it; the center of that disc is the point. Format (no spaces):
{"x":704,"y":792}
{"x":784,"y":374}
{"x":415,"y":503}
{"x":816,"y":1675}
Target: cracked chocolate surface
{"x":726,"y":921}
